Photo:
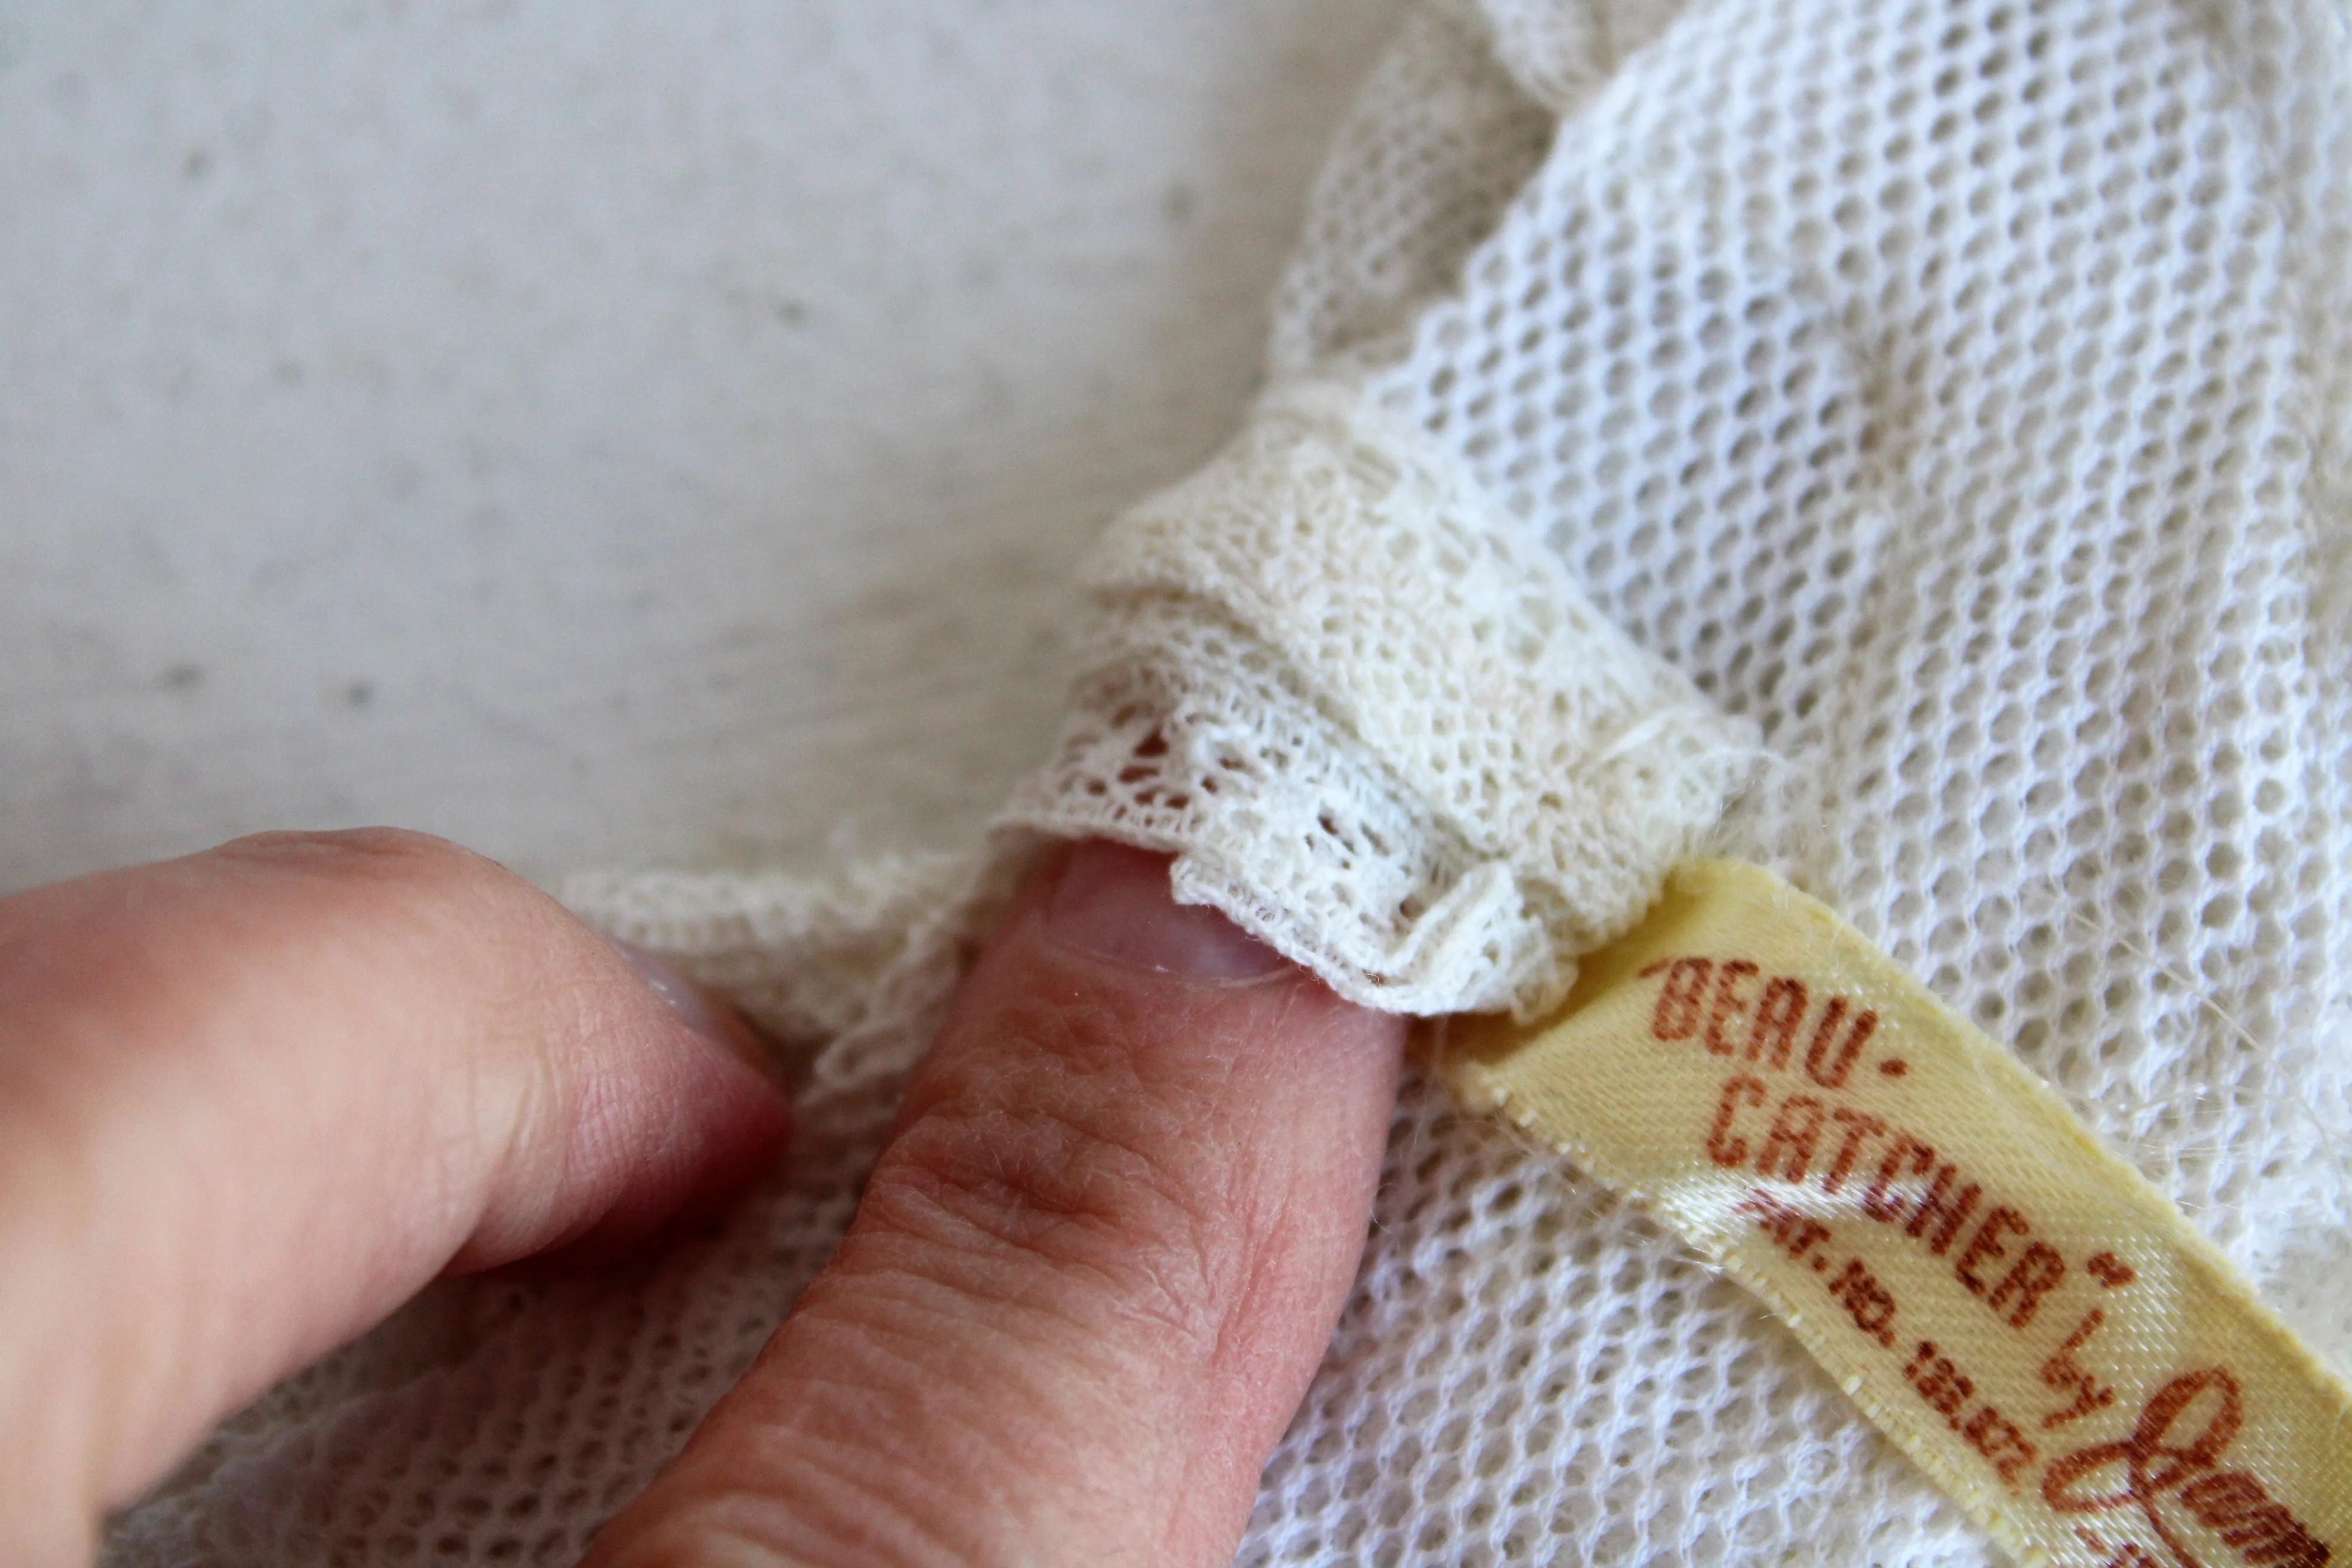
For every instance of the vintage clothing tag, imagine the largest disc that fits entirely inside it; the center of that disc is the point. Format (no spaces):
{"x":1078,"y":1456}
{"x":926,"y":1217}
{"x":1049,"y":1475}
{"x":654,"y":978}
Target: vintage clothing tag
{"x":2026,"y":1316}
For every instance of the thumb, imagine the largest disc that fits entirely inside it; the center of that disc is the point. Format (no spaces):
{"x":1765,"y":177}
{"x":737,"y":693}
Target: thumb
{"x":251,"y":1099}
{"x":1090,"y":1277}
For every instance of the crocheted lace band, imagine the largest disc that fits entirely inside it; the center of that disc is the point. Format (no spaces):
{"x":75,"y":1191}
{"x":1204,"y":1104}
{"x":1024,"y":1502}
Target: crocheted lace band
{"x":1376,"y":720}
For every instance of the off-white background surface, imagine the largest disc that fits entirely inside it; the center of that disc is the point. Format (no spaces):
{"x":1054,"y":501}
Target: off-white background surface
{"x":608,"y":432}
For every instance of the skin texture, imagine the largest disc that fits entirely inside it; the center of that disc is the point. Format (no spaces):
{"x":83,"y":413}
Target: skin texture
{"x":252,"y":1100}
{"x":1087,"y":1283}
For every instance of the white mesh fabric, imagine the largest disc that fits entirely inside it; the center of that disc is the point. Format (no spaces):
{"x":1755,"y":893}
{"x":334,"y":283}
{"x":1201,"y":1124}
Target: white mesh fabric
{"x":1957,"y":393}
{"x":1968,"y":453}
{"x":1939,"y":387}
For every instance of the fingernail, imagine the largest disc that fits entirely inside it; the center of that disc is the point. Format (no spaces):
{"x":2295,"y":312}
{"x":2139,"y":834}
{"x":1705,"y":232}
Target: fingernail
{"x":700,"y":1010}
{"x":1113,"y":902}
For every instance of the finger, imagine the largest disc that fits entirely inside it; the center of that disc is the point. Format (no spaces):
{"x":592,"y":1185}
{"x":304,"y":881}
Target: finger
{"x":1090,"y":1276}
{"x":252,"y":1098}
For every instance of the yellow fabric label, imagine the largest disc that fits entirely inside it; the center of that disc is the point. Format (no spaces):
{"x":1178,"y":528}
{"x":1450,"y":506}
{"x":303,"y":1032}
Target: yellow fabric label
{"x":2029,"y":1318}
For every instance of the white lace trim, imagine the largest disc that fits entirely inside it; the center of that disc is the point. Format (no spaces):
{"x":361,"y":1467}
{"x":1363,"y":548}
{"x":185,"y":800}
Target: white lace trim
{"x":1376,"y":719}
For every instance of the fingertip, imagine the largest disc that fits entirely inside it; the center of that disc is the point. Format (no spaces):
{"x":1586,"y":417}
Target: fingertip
{"x":259,"y":1095}
{"x":705,"y":1011}
{"x":692,"y":1106}
{"x":1089,"y":1278}
{"x":1115,"y":902}
{"x":743,"y":1133}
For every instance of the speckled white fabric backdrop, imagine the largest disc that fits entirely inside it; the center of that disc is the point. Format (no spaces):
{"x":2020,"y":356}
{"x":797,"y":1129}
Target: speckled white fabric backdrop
{"x":613,"y":432}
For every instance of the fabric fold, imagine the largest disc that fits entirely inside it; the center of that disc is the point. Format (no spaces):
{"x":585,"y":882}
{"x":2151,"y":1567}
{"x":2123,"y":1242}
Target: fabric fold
{"x":1376,"y":718}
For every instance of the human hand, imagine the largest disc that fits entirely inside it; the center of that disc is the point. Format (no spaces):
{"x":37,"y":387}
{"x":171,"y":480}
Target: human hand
{"x":252,"y":1100}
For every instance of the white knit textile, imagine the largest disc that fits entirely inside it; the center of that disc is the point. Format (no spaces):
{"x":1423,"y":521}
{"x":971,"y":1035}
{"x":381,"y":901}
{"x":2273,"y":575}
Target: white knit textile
{"x":1957,"y":394}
